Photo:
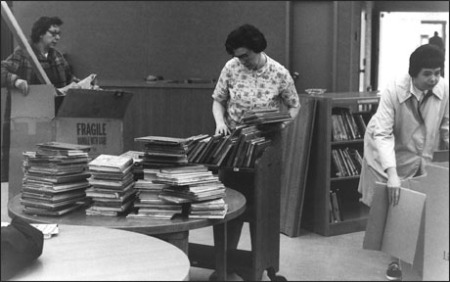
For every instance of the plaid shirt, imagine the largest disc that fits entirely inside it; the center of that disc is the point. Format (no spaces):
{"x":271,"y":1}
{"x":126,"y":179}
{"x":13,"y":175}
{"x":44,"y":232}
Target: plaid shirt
{"x":17,"y":65}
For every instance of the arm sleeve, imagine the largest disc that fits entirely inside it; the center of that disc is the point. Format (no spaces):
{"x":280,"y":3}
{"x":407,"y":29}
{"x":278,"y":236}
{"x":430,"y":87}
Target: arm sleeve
{"x":221,"y":92}
{"x":384,"y":128}
{"x":11,"y":68}
{"x":21,"y":244}
{"x":288,"y":93}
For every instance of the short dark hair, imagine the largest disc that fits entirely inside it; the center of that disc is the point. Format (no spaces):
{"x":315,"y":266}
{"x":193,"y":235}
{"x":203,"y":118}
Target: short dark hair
{"x":41,"y":26}
{"x":426,"y":56}
{"x":246,"y":36}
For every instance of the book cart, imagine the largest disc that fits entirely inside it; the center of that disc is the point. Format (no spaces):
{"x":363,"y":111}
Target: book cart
{"x":261,"y":187}
{"x":331,"y":204}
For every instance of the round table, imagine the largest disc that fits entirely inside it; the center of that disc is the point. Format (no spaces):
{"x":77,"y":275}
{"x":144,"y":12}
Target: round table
{"x":96,"y":253}
{"x":174,"y":231}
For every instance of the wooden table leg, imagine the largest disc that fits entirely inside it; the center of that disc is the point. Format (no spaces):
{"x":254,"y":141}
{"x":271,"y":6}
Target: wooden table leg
{"x":220,"y":249}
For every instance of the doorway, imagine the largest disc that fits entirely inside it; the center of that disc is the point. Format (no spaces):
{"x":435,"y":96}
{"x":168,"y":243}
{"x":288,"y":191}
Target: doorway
{"x":400,"y":34}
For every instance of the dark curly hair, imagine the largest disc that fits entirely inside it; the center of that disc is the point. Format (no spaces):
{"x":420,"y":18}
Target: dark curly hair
{"x":41,"y":26}
{"x":246,"y":36}
{"x":425,"y":56}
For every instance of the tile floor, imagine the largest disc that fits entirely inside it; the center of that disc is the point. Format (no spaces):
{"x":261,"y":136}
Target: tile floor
{"x":309,"y":257}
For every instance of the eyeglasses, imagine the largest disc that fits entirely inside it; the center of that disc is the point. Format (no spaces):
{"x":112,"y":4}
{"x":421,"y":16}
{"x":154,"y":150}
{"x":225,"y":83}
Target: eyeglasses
{"x":54,"y":33}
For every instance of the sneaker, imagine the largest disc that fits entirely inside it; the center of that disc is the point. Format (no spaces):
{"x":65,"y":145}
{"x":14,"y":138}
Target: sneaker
{"x":393,"y":272}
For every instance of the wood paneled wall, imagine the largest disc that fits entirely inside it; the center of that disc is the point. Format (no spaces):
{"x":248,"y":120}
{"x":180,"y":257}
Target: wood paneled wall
{"x":175,"y":39}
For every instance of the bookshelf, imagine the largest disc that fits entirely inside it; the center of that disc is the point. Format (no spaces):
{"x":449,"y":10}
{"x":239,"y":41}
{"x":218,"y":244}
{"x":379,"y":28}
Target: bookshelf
{"x":326,"y":176}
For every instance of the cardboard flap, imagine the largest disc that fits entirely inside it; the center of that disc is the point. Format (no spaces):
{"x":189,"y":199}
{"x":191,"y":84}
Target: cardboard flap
{"x":95,"y":104}
{"x":38,"y":104}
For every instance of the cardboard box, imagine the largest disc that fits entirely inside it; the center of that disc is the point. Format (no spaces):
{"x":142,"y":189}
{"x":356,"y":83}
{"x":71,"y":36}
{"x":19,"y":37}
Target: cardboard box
{"x":31,"y":122}
{"x":95,"y":118}
{"x":436,"y":247}
{"x":416,"y":233}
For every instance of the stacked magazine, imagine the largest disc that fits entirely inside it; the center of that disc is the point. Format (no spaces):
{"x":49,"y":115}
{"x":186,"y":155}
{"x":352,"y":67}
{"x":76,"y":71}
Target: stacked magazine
{"x":112,"y":181}
{"x":55,"y":178}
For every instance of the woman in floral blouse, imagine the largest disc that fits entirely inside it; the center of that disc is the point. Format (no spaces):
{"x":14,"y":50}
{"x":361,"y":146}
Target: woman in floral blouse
{"x":250,"y":80}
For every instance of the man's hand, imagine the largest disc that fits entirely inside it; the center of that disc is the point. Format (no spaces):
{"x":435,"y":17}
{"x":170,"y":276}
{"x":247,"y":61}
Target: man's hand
{"x":22,"y":85}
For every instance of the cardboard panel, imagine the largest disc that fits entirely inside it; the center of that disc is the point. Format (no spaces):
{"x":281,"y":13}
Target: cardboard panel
{"x":95,"y":104}
{"x":436,"y":247}
{"x":103,"y":134}
{"x":31,"y":123}
{"x":395,"y":229}
{"x":39,"y":103}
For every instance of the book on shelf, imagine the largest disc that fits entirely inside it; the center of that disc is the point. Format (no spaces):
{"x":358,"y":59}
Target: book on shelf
{"x":336,"y":207}
{"x":361,"y":124}
{"x":345,"y":127}
{"x":345,"y":162}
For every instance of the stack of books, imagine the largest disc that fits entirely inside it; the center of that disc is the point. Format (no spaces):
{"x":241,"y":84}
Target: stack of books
{"x":161,"y":151}
{"x":209,"y":209}
{"x":148,"y":202}
{"x":55,"y":178}
{"x":265,"y":116}
{"x":112,"y":181}
{"x":191,"y":184}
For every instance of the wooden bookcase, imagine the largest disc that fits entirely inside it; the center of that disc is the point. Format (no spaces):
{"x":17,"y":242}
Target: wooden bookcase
{"x":320,"y":181}
{"x":261,"y":187}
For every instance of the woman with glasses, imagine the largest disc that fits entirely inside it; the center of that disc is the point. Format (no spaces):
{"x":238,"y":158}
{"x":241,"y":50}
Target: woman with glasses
{"x":17,"y":70}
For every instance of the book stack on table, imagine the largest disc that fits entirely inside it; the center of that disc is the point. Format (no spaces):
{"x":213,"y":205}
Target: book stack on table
{"x":55,"y":178}
{"x":193,"y":185}
{"x":148,"y":203}
{"x":112,"y":181}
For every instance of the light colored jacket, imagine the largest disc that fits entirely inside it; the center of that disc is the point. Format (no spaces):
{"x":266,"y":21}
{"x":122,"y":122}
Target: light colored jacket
{"x":397,"y":137}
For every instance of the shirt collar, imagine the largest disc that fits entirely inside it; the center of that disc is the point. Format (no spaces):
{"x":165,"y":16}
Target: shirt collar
{"x":408,"y":89}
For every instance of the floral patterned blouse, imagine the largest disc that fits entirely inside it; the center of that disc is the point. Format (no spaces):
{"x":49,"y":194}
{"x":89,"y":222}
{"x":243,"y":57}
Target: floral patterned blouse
{"x":240,"y":89}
